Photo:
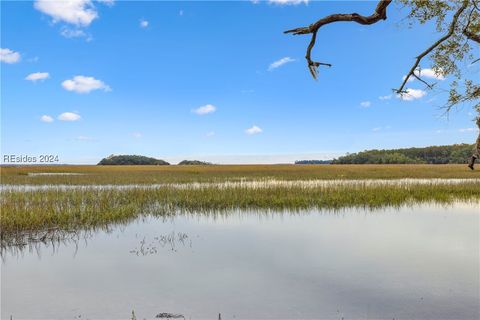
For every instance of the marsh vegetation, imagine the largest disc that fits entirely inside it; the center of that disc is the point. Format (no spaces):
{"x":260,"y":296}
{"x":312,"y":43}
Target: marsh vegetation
{"x":218,"y":173}
{"x":65,"y":198}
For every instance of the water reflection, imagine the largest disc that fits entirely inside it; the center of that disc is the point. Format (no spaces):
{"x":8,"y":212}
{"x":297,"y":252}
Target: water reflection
{"x":172,"y":241}
{"x":419,"y":262}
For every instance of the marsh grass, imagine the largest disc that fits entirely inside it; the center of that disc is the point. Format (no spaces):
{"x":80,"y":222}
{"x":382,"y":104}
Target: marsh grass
{"x":82,"y":175}
{"x":63,"y":210}
{"x":93,"y":197}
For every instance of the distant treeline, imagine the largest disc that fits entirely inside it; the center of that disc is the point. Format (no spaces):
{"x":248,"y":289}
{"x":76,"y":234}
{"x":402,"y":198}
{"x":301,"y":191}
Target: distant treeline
{"x":134,"y":160}
{"x":313,"y":161}
{"x":125,"y":160}
{"x":457,"y":153}
{"x":193,"y":163}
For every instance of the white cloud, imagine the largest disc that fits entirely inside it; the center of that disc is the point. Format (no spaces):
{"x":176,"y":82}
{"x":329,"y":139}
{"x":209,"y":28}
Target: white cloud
{"x":77,"y":12}
{"x":137,"y":135}
{"x":46,"y":118}
{"x":73,"y":33}
{"x":288,"y":2}
{"x":426,"y":73}
{"x":82,"y":84}
{"x":209,"y":108}
{"x":143,"y":23}
{"x":365,"y":104}
{"x":412,"y":94}
{"x":429,"y":73}
{"x":387,"y":97}
{"x":9,"y":56}
{"x":377,"y":129}
{"x":37,"y":76}
{"x":69,"y":116}
{"x":463,"y":130}
{"x":253,"y":130}
{"x":210,"y":134}
{"x":279,"y":63}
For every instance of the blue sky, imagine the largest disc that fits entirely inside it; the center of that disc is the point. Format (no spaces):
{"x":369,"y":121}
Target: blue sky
{"x":211,"y":80}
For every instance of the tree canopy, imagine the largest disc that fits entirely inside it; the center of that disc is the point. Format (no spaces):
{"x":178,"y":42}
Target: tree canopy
{"x":131,"y":160}
{"x":457,"y":153}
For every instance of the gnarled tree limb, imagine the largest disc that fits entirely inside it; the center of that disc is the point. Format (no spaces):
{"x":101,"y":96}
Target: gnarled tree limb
{"x":379,"y":14}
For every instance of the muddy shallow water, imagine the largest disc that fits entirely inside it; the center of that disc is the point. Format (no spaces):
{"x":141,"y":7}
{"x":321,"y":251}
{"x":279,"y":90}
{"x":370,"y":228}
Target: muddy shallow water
{"x":417,"y":262}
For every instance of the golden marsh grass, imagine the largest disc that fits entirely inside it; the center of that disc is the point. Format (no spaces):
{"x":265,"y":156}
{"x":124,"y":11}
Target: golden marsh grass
{"x":216,"y":173}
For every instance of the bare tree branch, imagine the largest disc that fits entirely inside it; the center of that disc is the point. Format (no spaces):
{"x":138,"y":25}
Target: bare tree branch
{"x":379,"y":14}
{"x":419,"y":58}
{"x":430,"y":86}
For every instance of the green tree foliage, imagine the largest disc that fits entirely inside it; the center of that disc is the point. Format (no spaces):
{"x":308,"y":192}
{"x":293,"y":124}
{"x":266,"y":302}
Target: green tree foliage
{"x":457,"y":153}
{"x":126,"y":160}
{"x":459,"y":22}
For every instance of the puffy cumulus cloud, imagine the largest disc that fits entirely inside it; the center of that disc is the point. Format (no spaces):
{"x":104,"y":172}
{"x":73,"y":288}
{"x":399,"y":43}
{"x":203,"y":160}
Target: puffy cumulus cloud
{"x":36,"y":76}
{"x":77,"y":12}
{"x":430,"y":73}
{"x":253,"y":130}
{"x":277,"y":64}
{"x":206,"y":109}
{"x":9,"y":56}
{"x":412,"y":94}
{"x":46,"y":118}
{"x":69,"y":116}
{"x":365,"y":104}
{"x":82,"y":84}
{"x":426,"y":73}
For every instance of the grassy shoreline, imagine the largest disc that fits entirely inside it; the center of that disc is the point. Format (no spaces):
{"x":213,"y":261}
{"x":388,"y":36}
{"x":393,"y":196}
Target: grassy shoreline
{"x":71,"y":209}
{"x":24,"y":211}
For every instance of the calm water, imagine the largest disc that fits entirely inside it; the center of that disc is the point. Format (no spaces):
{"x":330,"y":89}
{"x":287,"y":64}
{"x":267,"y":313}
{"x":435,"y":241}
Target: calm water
{"x":410,"y":263}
